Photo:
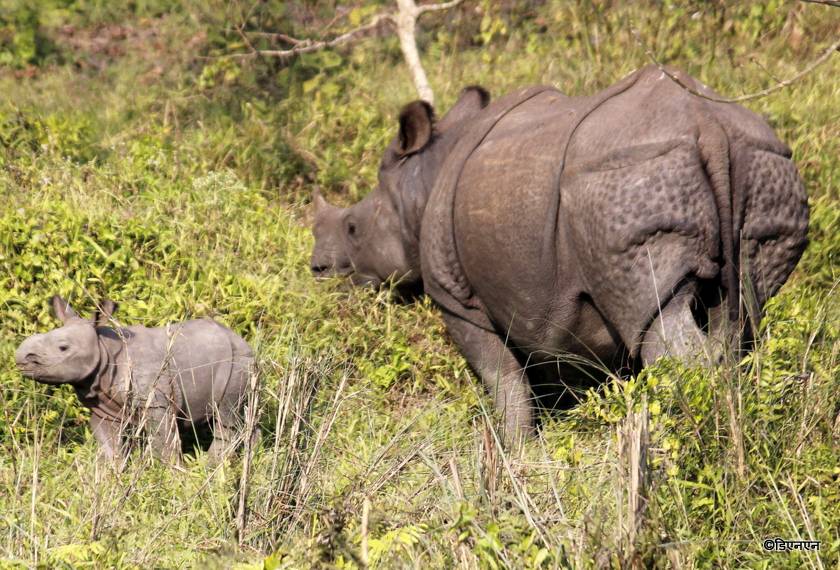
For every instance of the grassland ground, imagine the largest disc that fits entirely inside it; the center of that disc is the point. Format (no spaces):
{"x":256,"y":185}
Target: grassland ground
{"x":140,"y":161}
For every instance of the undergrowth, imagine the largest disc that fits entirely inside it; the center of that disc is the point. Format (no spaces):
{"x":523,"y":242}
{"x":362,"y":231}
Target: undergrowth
{"x":152,"y":168}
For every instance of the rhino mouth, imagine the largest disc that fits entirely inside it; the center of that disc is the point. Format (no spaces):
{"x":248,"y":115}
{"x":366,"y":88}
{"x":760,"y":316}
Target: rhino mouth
{"x":346,"y":272}
{"x":362,"y":280}
{"x":29,"y":366}
{"x":36,"y":371}
{"x":322,"y":271}
{"x":27,"y":370}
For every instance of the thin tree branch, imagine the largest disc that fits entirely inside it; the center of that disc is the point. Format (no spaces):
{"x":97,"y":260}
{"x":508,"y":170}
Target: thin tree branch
{"x":308,"y":46}
{"x":245,"y":39}
{"x":423,"y":8}
{"x":275,"y":35}
{"x":824,"y":2}
{"x":758,"y":94}
{"x":754,"y":59}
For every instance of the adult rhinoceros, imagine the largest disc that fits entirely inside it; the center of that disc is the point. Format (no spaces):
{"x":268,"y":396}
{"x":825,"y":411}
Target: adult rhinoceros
{"x":616,"y":227}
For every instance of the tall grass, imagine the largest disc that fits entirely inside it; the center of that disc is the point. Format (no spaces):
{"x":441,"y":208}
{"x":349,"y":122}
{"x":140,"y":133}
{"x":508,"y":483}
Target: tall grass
{"x":174,"y":181}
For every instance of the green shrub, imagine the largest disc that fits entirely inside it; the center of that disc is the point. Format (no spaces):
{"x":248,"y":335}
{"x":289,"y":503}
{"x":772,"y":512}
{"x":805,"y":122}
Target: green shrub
{"x":174,"y":180}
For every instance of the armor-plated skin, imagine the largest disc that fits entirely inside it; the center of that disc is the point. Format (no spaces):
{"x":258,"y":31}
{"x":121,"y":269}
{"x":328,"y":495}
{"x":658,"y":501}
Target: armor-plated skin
{"x":616,"y":227}
{"x":166,"y":379}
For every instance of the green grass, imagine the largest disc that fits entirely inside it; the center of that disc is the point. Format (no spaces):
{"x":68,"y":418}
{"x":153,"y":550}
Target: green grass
{"x":175,"y":181}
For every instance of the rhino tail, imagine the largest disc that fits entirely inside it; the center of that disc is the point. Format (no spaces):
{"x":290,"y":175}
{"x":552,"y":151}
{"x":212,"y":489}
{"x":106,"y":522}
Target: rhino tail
{"x":715,"y":155}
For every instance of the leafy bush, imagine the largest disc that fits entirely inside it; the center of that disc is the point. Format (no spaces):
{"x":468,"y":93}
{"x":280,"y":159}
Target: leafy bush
{"x":173,"y":179}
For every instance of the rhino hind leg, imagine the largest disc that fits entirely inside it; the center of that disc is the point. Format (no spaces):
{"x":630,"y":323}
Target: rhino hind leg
{"x":225,"y":421}
{"x":224,"y":435}
{"x":676,"y":332}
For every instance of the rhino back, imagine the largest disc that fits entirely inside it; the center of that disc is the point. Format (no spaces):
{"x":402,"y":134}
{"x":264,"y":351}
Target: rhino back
{"x":574,"y":219}
{"x":510,"y":230}
{"x":503,"y":202}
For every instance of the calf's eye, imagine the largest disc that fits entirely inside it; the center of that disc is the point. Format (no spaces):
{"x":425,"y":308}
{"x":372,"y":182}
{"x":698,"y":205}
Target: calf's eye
{"x":63,"y":348}
{"x":351,"y":229}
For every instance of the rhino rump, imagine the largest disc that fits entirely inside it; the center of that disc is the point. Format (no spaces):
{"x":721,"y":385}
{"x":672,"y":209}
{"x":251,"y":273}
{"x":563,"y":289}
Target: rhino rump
{"x":197,"y":365}
{"x":639,"y":229}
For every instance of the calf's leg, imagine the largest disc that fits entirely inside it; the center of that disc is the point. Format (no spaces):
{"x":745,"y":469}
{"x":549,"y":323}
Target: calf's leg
{"x":108,"y":433}
{"x":163,"y":433}
{"x":223,"y":435}
{"x":500,"y":372}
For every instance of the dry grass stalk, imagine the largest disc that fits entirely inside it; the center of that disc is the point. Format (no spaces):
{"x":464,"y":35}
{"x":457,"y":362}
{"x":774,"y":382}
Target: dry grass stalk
{"x":249,"y":435}
{"x":365,"y":522}
{"x":489,"y":461}
{"x":733,"y":403}
{"x":633,"y":442}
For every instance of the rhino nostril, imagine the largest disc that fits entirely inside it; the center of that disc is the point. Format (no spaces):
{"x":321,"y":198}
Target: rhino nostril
{"x":319,"y":269}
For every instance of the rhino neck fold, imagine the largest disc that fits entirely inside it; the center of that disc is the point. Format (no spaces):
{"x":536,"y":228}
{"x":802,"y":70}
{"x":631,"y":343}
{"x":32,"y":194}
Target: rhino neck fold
{"x":421,"y":173}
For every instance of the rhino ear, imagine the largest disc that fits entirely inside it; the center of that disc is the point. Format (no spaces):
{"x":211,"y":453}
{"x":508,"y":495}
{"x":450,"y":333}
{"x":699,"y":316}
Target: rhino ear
{"x":104,"y":312}
{"x":417,"y":122}
{"x":472,"y":100}
{"x":318,"y":200}
{"x":62,"y":309}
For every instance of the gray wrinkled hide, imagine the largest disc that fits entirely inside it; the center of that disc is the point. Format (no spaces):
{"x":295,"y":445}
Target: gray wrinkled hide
{"x":617,"y":227}
{"x":165,"y":379}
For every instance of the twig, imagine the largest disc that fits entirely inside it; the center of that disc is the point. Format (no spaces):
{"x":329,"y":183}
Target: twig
{"x":764,"y":69}
{"x":275,"y":35}
{"x":758,"y":94}
{"x":633,"y":449}
{"x":365,"y":522}
{"x":823,"y":2}
{"x":422,"y":9}
{"x":309,"y":46}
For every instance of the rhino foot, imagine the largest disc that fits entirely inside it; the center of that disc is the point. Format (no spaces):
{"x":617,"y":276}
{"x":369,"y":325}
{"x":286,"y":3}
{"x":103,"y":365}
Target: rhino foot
{"x":675,"y":332}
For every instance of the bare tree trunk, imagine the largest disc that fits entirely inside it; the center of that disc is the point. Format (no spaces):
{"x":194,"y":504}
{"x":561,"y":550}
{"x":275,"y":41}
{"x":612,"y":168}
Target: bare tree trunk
{"x":406,"y":20}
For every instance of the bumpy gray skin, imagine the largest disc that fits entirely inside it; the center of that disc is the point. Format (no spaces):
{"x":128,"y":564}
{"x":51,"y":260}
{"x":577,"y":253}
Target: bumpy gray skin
{"x":164,"y":379}
{"x":607,"y":227}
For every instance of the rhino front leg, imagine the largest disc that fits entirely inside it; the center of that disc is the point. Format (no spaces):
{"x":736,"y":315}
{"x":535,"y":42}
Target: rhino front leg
{"x":163,"y":433}
{"x":108,"y":433}
{"x":500,"y":372}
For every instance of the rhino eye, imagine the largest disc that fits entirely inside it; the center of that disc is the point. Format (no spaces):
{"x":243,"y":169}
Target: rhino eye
{"x":351,"y":228}
{"x":63,"y":348}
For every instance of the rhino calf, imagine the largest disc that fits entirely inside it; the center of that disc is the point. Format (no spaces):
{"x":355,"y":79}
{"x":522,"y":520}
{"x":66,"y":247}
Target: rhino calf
{"x":181,"y":376}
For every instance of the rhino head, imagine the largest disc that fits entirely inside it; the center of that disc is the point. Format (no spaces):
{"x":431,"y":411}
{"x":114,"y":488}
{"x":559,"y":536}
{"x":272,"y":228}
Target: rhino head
{"x":68,"y":354}
{"x":377,"y":240}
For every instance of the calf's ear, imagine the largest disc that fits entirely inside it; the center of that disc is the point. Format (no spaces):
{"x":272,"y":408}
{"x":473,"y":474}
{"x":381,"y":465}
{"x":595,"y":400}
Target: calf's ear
{"x":104,"y":312}
{"x":62,"y":309}
{"x":417,"y":123}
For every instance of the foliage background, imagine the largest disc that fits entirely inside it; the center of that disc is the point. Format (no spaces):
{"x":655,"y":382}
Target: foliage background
{"x":139,"y":160}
